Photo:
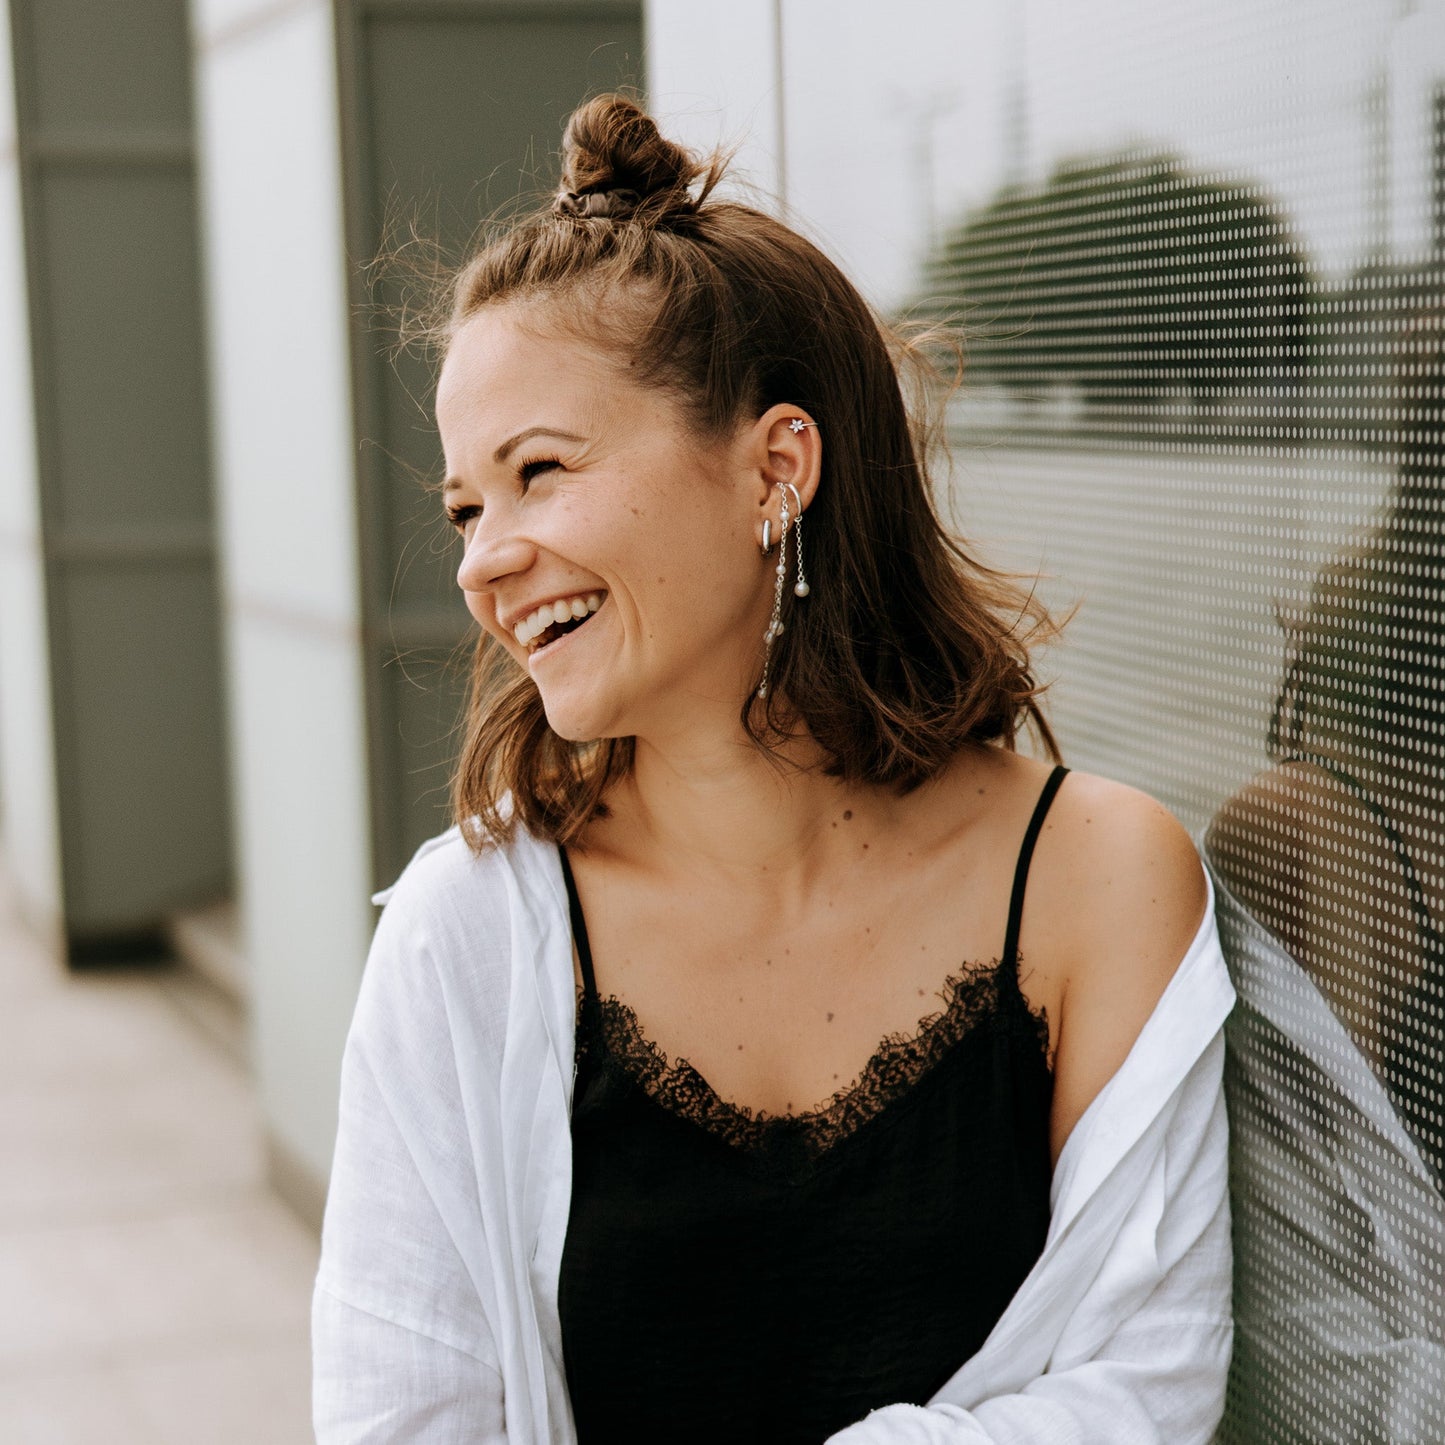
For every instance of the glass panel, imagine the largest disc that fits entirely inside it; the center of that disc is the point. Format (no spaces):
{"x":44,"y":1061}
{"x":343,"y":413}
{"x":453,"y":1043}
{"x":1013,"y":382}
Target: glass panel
{"x":1196,"y":255}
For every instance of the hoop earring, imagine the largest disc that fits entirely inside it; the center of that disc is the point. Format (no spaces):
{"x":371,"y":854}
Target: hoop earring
{"x":800,"y":588}
{"x":767,"y":535}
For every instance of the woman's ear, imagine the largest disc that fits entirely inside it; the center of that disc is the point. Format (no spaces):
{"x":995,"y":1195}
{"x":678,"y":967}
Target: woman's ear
{"x":786,"y":447}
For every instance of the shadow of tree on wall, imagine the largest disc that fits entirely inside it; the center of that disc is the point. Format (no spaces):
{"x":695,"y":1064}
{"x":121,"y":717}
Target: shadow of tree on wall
{"x":1130,"y":280}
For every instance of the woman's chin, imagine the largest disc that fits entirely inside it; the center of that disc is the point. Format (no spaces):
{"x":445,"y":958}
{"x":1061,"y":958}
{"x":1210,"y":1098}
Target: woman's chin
{"x":576,"y":724}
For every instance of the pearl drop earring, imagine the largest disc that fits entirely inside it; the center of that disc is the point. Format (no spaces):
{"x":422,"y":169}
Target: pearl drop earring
{"x":800,"y":587}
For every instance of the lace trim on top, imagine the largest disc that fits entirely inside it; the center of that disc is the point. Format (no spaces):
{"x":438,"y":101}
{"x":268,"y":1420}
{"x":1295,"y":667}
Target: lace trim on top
{"x":971,"y":996}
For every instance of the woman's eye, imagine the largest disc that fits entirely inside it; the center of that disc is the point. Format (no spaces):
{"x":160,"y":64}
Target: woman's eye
{"x":528,"y":470}
{"x":460,"y":516}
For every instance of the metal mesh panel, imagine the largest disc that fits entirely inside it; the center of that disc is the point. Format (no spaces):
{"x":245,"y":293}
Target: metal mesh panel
{"x":1196,"y":254}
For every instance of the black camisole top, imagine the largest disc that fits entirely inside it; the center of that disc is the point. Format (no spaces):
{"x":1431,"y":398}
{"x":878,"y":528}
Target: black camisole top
{"x":730,"y":1276}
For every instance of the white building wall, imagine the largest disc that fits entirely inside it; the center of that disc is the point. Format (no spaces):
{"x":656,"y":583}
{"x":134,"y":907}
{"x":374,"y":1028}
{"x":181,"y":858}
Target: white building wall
{"x":270,"y":185}
{"x":1416,"y":65}
{"x":29,"y":837}
{"x":713,"y":78}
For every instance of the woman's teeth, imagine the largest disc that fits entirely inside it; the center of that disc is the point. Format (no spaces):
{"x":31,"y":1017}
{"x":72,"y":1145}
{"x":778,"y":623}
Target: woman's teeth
{"x":549,"y":614}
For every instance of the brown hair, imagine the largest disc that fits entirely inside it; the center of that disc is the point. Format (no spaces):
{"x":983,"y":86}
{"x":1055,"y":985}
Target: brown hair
{"x":908,"y":649}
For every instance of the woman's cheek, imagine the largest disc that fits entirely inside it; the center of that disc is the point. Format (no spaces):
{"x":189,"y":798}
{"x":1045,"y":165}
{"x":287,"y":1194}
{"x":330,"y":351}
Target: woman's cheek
{"x":481,"y":611}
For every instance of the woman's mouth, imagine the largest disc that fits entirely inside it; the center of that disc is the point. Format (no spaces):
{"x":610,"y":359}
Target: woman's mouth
{"x":552,"y":621}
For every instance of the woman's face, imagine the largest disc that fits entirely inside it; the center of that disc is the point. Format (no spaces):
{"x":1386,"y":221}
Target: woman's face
{"x":573,"y":485}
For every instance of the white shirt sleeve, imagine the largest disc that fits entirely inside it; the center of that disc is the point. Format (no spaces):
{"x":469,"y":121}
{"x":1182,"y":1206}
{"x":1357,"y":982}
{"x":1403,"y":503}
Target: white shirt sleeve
{"x":401,"y":1344}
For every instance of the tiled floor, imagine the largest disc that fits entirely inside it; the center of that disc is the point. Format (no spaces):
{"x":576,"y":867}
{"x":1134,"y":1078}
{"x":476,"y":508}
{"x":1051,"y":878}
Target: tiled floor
{"x":152,"y":1290}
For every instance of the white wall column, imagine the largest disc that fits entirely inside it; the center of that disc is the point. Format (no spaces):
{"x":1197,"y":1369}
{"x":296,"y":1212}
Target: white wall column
{"x":29,"y":832}
{"x":714,"y":74}
{"x":275,"y":262}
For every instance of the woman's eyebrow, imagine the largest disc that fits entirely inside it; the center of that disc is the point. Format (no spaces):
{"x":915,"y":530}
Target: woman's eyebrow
{"x":507,"y":447}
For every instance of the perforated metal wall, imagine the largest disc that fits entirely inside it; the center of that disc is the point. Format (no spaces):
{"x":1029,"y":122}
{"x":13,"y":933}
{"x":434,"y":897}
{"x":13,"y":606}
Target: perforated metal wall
{"x":1197,"y":253}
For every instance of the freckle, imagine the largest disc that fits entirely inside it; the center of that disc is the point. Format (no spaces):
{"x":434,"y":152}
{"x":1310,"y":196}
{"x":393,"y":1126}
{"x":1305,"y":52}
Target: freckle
{"x":740,"y":1048}
{"x":830,"y":1018}
{"x":790,"y":1105}
{"x":980,"y":792}
{"x":865,"y":847}
{"x":834,"y":823}
{"x":740,"y":998}
{"x":847,"y":814}
{"x":835,"y":1076}
{"x":636,"y":511}
{"x":661,"y":580}
{"x":920,"y":993}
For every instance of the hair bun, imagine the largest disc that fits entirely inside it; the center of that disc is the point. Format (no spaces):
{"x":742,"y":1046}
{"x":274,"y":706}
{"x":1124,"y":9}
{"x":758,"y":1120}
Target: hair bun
{"x":615,"y":163}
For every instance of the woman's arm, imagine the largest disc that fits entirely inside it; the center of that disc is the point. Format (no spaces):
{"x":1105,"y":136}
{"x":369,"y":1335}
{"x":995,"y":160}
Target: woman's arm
{"x":402,"y":1347}
{"x":1130,"y":897}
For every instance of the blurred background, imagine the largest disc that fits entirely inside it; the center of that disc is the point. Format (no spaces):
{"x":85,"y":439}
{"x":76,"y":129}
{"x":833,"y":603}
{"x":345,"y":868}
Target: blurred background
{"x":1193,"y":252}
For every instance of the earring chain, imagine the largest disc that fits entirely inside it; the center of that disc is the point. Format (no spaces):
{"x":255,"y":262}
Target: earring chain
{"x":800,"y":588}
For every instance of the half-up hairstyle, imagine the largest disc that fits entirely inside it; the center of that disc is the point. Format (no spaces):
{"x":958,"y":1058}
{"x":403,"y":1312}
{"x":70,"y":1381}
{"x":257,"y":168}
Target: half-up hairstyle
{"x":908,"y":650}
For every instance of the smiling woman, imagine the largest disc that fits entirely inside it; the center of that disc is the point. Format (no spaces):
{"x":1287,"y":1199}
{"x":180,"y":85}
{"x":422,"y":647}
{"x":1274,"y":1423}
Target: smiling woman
{"x":674,"y":339}
{"x":753,"y":1170}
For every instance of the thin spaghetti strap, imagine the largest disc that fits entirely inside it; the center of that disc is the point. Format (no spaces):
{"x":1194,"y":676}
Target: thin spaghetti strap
{"x":1021,"y":872}
{"x":579,"y":926}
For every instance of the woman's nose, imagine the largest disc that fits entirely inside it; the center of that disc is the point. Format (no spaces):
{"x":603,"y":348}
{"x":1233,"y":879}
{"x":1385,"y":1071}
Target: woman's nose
{"x":490,"y":556}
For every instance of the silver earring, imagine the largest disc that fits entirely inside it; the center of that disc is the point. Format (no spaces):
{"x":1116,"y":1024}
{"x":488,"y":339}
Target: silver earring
{"x":767,"y":535}
{"x":775,"y":623}
{"x":800,"y":588}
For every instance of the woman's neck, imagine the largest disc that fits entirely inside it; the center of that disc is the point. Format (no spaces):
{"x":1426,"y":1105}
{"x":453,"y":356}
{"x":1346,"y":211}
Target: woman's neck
{"x":731,"y":813}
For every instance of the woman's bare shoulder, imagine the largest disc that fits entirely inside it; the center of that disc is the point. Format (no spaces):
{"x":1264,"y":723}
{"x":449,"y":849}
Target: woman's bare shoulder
{"x":1128,"y":884}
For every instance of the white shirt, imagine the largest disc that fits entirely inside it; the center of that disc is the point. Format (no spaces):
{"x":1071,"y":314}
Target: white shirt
{"x":435,"y":1313}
